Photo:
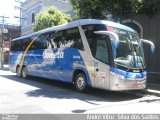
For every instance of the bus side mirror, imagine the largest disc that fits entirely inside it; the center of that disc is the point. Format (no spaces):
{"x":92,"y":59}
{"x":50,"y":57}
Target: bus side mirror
{"x":149,"y":42}
{"x":113,"y":36}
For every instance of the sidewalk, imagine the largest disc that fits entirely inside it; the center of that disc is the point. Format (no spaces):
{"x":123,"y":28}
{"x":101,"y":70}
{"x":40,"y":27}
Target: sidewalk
{"x":153,"y":89}
{"x":5,"y":67}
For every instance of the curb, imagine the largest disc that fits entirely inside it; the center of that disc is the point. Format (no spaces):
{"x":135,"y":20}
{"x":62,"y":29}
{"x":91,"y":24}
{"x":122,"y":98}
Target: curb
{"x":153,"y":92}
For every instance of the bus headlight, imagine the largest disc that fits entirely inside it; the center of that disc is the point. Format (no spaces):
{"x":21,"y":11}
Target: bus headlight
{"x":117,"y":75}
{"x":120,"y":76}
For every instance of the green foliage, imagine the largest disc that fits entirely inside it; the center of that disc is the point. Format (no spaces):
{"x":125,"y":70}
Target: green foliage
{"x":50,"y":18}
{"x":150,"y":7}
{"x":88,"y":8}
{"x":119,"y":9}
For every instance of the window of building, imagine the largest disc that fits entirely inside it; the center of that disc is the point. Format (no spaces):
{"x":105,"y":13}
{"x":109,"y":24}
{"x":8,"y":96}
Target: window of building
{"x":33,"y":17}
{"x":24,"y":21}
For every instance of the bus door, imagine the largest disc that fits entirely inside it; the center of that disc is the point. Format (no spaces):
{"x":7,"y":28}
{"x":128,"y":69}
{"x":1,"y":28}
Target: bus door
{"x":101,"y":62}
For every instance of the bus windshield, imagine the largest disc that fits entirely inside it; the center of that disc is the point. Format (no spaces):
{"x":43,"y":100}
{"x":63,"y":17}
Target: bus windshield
{"x":129,"y":53}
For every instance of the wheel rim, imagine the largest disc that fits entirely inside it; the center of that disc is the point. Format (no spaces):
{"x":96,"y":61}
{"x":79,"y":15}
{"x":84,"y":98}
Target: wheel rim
{"x":80,"y":82}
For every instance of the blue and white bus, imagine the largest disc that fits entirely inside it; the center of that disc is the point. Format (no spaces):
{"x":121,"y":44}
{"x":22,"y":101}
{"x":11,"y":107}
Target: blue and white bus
{"x":87,"y":53}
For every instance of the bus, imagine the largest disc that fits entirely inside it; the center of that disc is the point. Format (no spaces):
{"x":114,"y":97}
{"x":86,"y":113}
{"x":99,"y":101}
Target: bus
{"x":87,"y":53}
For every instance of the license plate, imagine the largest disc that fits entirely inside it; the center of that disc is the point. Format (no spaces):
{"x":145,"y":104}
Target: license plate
{"x":137,"y":85}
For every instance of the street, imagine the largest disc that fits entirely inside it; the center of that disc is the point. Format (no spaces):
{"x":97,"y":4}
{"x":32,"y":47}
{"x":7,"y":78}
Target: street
{"x":37,"y":95}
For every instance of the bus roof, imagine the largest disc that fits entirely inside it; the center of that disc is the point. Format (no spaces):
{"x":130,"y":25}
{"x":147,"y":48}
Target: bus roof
{"x":108,"y":23}
{"x":76,"y":23}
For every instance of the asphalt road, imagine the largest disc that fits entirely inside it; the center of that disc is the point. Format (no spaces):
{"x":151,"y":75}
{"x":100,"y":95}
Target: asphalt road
{"x":37,"y":95}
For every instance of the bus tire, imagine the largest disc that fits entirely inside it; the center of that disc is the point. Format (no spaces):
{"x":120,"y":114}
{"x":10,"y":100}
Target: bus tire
{"x":24,"y":72}
{"x":80,"y":82}
{"x":18,"y":72}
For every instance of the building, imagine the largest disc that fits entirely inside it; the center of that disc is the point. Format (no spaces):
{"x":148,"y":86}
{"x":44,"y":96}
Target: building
{"x":30,"y":8}
{"x":148,"y":28}
{"x":13,"y":32}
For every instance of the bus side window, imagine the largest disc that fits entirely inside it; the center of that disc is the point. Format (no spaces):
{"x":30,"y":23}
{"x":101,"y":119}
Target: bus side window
{"x":16,"y":45}
{"x":42,"y":42}
{"x":51,"y":40}
{"x":66,"y":39}
{"x":102,"y":48}
{"x":89,"y":32}
{"x":79,"y":44}
{"x":34,"y":45}
{"x":58,"y":39}
{"x":13,"y":46}
{"x":26,"y":43}
{"x":75,"y":38}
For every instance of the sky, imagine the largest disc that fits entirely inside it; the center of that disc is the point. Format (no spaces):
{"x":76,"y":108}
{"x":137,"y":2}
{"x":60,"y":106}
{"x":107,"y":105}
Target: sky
{"x":7,"y":8}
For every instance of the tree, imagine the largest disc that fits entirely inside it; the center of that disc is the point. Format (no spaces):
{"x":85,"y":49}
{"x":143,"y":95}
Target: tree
{"x":50,"y":18}
{"x":150,"y":7}
{"x":88,"y":8}
{"x":118,"y":9}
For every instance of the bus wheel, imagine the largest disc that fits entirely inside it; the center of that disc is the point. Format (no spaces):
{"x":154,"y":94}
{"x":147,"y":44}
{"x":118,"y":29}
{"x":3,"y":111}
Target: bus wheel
{"x":18,"y":72}
{"x":24,"y":72}
{"x":80,"y":82}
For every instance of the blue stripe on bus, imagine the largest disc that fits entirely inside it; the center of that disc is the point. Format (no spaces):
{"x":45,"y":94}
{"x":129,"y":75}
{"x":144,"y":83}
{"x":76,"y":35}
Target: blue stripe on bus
{"x":128,"y":74}
{"x":42,"y":63}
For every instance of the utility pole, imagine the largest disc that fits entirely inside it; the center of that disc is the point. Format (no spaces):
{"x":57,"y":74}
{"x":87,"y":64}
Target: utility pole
{"x":20,"y":9}
{"x":3,"y":20}
{"x":2,"y":28}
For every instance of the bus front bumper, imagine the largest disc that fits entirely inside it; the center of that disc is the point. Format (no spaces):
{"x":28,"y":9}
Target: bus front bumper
{"x":118,"y":84}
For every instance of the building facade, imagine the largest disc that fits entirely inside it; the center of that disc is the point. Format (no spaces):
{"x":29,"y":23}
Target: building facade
{"x":5,"y":38}
{"x":30,"y":8}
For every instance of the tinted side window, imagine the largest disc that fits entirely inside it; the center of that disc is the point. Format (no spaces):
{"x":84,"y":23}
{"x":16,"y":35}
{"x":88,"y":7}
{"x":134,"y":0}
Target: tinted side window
{"x":26,"y":43}
{"x":16,"y":45}
{"x":13,"y":46}
{"x":89,"y":32}
{"x":42,"y":42}
{"x":67,"y":38}
{"x":101,"y":52}
{"x":74,"y":35}
{"x":100,"y":48}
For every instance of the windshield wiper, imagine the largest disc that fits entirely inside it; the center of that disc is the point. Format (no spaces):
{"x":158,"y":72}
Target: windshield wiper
{"x":135,"y":55}
{"x":133,"y":52}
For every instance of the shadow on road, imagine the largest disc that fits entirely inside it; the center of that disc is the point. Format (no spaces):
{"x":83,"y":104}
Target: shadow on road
{"x":61,"y":90}
{"x":4,"y":69}
{"x":151,"y":101}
